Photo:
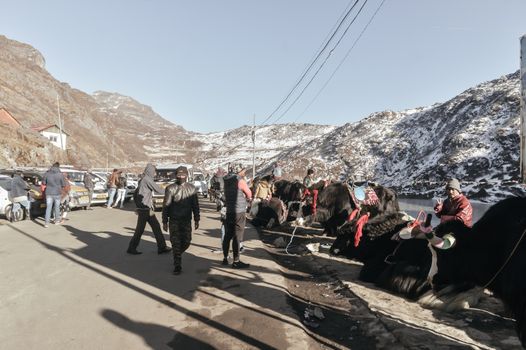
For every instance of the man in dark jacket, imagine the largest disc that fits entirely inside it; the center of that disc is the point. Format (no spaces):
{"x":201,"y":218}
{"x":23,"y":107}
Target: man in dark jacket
{"x":88,"y":183}
{"x":180,"y":201}
{"x":18,"y":194}
{"x":55,"y":183}
{"x":236,"y":195}
{"x":145,"y":212}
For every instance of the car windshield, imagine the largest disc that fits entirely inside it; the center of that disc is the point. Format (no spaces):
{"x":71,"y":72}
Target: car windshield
{"x":199,"y":177}
{"x":165,"y":175}
{"x":74,"y":176}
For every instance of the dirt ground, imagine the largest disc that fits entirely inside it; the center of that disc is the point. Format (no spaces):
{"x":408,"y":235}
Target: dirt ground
{"x":360,"y":316}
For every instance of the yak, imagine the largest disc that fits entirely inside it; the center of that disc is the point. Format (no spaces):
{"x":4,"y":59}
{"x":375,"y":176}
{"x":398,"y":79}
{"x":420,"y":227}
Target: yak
{"x":278,"y":209}
{"x":398,"y":266}
{"x":491,"y":254}
{"x":337,"y":203}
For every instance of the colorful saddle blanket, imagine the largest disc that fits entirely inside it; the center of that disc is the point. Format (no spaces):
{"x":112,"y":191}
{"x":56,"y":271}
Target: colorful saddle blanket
{"x":363,"y":195}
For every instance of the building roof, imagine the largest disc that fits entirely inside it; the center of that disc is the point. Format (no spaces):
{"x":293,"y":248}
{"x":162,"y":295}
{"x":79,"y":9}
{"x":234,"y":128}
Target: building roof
{"x":46,"y":127}
{"x":7,"y":118}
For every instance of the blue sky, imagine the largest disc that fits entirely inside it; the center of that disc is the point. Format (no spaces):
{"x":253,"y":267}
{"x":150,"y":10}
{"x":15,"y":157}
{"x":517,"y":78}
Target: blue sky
{"x":211,"y":65}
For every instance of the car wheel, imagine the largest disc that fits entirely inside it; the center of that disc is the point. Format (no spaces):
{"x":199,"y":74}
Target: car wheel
{"x":14,"y":216}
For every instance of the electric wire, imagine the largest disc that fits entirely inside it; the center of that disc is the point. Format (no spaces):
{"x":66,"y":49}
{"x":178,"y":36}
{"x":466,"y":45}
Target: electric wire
{"x":341,"y":62}
{"x":323,"y":63}
{"x":318,"y":55}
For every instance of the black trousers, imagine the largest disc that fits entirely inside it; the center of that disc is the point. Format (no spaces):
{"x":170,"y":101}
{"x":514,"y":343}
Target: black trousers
{"x":144,"y":217}
{"x":180,"y":236}
{"x":234,"y":231}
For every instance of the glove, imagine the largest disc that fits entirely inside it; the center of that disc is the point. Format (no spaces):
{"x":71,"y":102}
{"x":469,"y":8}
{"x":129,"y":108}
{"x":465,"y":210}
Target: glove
{"x":165,"y":227}
{"x":196,"y":225}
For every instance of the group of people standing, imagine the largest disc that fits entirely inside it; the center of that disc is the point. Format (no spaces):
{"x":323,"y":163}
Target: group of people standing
{"x":116,"y":185}
{"x":180,"y":204}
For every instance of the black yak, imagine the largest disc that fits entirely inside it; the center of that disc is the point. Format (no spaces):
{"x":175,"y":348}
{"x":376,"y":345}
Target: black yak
{"x":338,"y":203}
{"x":491,"y":254}
{"x":399,"y":266}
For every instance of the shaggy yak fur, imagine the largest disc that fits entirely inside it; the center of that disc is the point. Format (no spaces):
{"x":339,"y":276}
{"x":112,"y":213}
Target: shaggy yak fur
{"x":482,"y":252}
{"x":270,"y":213}
{"x":285,"y":193}
{"x":335,"y":204}
{"x":398,"y":266}
{"x":491,"y":254}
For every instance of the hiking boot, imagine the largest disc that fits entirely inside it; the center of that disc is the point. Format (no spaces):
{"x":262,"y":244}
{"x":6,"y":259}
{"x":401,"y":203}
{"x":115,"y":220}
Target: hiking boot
{"x":164,"y":250}
{"x":225,"y":261}
{"x":177,"y":270}
{"x":239,"y":265}
{"x":133,"y":252}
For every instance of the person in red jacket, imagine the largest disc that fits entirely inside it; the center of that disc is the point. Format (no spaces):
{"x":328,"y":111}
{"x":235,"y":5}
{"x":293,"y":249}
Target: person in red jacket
{"x":456,"y":206}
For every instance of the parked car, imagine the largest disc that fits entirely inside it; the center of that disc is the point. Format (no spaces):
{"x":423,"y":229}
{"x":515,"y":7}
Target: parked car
{"x":5,"y":187}
{"x":200,"y":183}
{"x":164,"y":177}
{"x":100,"y":190}
{"x":132,"y":181}
{"x":78,"y":194}
{"x":34,"y":178}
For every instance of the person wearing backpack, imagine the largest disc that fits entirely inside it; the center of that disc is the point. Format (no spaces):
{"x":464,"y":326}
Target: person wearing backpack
{"x":143,"y":198}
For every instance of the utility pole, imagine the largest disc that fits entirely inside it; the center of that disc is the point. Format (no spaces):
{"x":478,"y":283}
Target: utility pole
{"x":253,"y":147}
{"x":60,"y":124}
{"x":523,"y":109}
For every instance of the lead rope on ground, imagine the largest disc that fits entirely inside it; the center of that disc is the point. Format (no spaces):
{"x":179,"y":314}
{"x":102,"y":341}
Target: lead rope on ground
{"x":291,"y":238}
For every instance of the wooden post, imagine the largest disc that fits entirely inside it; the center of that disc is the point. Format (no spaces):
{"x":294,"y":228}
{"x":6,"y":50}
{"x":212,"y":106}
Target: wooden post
{"x":253,"y":147}
{"x":523,"y":110}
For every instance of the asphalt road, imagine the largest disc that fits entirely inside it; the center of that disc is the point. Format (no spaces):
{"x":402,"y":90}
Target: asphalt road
{"x":72,"y":286}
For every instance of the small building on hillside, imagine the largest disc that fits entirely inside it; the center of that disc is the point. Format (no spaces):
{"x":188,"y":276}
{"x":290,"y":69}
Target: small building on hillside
{"x":7,"y":118}
{"x":52,"y":133}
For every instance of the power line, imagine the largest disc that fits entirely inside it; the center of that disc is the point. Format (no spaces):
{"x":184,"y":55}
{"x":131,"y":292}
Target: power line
{"x":341,"y":62}
{"x":323,"y":63}
{"x":341,"y":21}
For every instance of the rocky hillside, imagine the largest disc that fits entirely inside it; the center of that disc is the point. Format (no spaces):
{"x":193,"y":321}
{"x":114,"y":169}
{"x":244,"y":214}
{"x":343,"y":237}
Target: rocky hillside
{"x":104,"y":129}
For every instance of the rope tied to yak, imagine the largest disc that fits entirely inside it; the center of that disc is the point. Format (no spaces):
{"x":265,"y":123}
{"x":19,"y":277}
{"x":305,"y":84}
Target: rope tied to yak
{"x":507,"y":260}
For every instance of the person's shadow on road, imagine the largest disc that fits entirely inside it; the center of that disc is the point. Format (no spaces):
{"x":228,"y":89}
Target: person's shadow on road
{"x":154,"y":335}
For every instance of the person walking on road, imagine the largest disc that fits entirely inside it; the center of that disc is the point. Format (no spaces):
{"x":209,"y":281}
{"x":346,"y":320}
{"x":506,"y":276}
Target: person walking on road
{"x":145,"y":212}
{"x":112,"y":187}
{"x":237,"y":195}
{"x":54,"y":183}
{"x":90,"y":186}
{"x":180,"y":201}
{"x":121,"y":189}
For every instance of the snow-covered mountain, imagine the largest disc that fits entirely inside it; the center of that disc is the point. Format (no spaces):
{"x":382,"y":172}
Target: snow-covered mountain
{"x":474,"y":137}
{"x":235,"y":146}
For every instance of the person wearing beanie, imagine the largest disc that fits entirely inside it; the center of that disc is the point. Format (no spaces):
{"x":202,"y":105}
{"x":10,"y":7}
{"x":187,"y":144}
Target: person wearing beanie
{"x":180,"y":202}
{"x":456,"y":206}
